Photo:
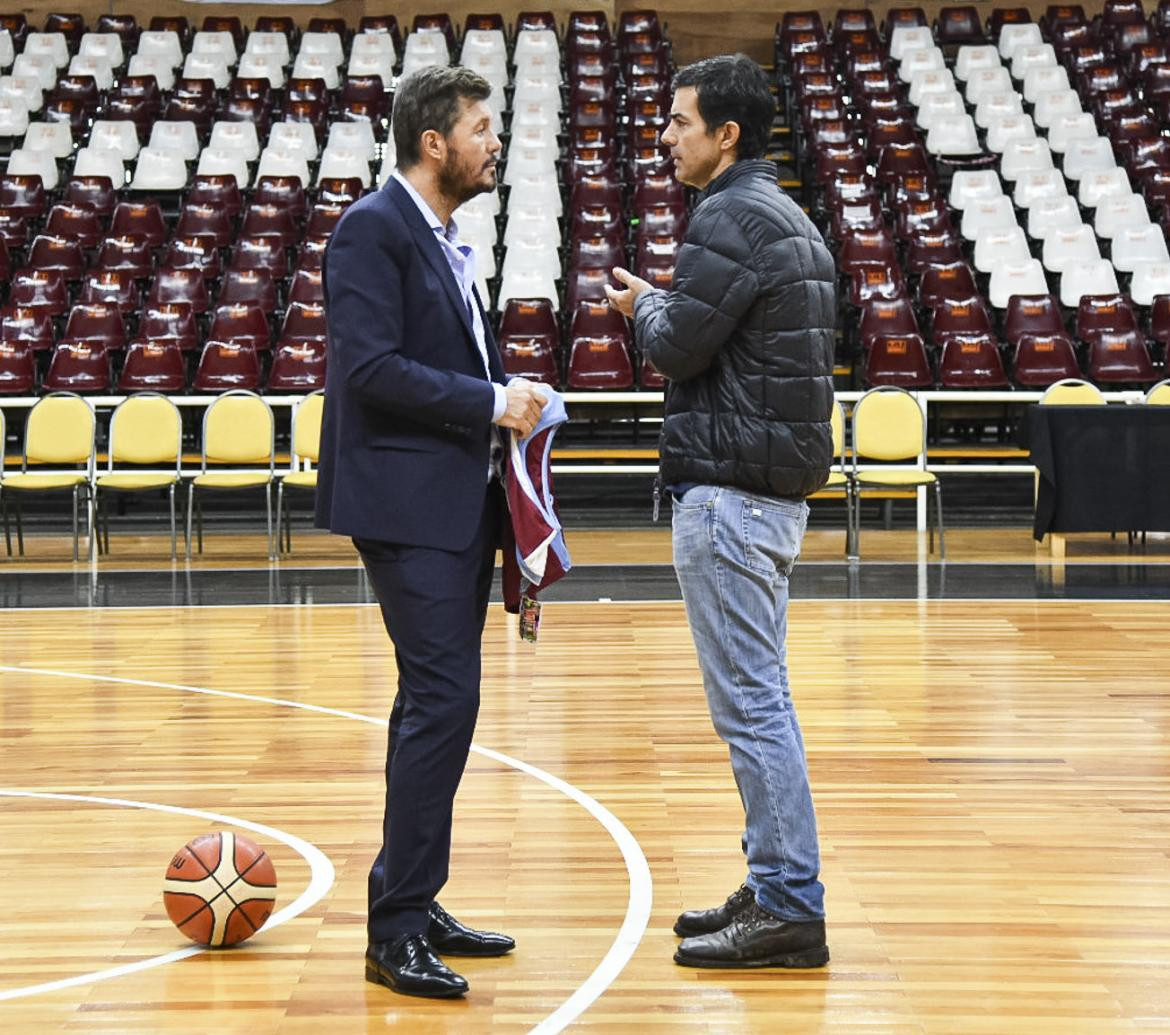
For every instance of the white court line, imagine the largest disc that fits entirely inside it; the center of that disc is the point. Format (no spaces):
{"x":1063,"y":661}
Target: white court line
{"x":320,"y":881}
{"x":641,"y":895}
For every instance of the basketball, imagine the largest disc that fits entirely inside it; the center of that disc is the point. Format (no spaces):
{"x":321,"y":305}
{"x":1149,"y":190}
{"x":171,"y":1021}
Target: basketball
{"x":219,"y":889}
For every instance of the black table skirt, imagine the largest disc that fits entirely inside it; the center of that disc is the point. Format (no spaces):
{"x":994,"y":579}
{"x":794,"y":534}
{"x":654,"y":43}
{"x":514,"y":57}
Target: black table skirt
{"x":1102,"y":468}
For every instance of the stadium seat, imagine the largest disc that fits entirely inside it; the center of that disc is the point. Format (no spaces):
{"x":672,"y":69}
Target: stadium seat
{"x":600,"y":349}
{"x":18,"y":368}
{"x":32,"y":326}
{"x":896,"y":359}
{"x":252,"y":287}
{"x":172,"y":322}
{"x":179,"y":285}
{"x":100,"y":322}
{"x":224,"y":366}
{"x":1041,"y":360}
{"x":46,"y":290}
{"x":115,"y":286}
{"x":1120,"y":356}
{"x":240,"y":322}
{"x":78,"y":366}
{"x":140,"y":219}
{"x":220,"y":190}
{"x":1150,"y":282}
{"x":298,"y":366}
{"x":1086,"y":277}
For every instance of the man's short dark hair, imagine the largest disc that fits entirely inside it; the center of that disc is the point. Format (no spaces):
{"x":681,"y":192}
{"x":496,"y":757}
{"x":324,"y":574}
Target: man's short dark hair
{"x":429,"y":99}
{"x":733,"y":88}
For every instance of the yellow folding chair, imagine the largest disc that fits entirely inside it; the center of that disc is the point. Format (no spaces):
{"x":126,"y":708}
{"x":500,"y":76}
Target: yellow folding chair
{"x":145,"y":430}
{"x":59,"y":434}
{"x":890,"y":427}
{"x":306,"y":447}
{"x":839,"y":478}
{"x":238,"y":432}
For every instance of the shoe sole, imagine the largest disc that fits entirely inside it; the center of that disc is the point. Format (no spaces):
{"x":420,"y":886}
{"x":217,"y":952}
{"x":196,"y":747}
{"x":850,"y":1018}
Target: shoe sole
{"x":469,"y":955}
{"x":808,"y":960}
{"x":683,"y":931}
{"x":376,"y":978}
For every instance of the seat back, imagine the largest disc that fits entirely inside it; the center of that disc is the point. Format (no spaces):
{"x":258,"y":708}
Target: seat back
{"x":1159,"y":395}
{"x":888,"y":425}
{"x":59,"y":431}
{"x":146,"y":429}
{"x":1120,"y":356}
{"x":306,"y":431}
{"x":1042,"y":359}
{"x":898,"y":359}
{"x":238,"y":429}
{"x":18,"y":376}
{"x":1072,"y":392}
{"x":153,"y":366}
{"x":971,"y":361}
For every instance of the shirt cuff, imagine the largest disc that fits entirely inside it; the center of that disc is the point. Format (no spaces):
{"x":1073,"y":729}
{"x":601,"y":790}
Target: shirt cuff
{"x":501,"y":403}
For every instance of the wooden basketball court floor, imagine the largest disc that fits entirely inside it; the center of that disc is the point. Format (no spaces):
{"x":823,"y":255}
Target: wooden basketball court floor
{"x":990,"y":758}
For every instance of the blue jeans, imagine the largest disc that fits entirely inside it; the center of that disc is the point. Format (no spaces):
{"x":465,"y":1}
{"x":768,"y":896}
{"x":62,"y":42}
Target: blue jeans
{"x":733,"y":553}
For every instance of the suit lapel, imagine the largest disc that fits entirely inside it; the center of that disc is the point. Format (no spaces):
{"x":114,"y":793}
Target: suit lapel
{"x":432,"y":251}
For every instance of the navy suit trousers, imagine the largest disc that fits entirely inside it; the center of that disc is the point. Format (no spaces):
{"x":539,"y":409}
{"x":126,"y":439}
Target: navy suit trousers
{"x":434,"y":603}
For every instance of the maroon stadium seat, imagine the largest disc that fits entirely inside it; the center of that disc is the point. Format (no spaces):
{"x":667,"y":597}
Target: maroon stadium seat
{"x":1044,"y":359}
{"x":898,"y":359}
{"x":224,"y":366}
{"x":971,"y":361}
{"x":78,"y":366}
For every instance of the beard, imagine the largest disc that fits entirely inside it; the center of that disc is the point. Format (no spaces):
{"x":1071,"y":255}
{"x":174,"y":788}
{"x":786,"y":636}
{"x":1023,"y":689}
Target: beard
{"x":458,"y":180}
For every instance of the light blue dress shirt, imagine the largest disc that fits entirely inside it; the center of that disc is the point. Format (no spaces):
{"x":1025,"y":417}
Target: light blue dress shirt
{"x":461,"y":259}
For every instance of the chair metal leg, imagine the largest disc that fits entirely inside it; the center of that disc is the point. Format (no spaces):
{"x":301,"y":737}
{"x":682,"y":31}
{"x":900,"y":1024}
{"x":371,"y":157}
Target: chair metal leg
{"x":190,"y":509}
{"x":7,"y":530}
{"x":174,"y":537}
{"x":938,"y":516}
{"x":850,"y":519}
{"x":19,"y":529}
{"x":280,"y":522}
{"x":268,"y":520}
{"x":76,"y":489}
{"x":94,"y":543}
{"x":288,"y":524}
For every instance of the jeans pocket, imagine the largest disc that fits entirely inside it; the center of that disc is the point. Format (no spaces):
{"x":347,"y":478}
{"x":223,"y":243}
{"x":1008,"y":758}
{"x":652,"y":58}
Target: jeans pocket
{"x":772,"y":533}
{"x":696,"y":497}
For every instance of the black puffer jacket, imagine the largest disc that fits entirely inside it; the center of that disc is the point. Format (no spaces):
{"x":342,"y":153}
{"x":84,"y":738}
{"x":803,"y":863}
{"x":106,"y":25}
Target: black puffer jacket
{"x":745,"y":335}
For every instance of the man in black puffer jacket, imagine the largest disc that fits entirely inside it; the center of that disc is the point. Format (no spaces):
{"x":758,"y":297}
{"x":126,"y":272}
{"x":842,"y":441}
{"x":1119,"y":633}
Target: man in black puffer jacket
{"x":745,"y":336}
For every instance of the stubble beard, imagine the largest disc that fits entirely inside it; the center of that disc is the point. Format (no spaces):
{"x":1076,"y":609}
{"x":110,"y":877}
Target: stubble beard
{"x":456,"y":183}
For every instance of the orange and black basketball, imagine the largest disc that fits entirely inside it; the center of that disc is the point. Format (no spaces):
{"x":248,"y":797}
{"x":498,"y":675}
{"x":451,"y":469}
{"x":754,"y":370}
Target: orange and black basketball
{"x":219,"y":889}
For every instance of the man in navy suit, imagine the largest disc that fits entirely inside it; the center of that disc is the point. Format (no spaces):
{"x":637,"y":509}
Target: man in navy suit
{"x":414,"y":400}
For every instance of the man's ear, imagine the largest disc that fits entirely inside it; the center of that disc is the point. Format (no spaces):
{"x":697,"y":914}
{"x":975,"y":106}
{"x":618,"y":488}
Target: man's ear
{"x":433,"y":144}
{"x":729,"y":136}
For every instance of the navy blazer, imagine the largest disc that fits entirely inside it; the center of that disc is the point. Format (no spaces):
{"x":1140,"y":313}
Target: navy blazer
{"x":405,"y":438}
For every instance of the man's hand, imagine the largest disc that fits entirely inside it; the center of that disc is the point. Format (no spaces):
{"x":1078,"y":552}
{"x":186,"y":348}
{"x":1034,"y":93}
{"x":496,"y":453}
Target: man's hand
{"x":525,"y":401}
{"x":623,"y":301}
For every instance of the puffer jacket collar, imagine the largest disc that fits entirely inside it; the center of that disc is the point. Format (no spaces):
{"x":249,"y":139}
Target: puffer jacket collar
{"x":741,"y":170}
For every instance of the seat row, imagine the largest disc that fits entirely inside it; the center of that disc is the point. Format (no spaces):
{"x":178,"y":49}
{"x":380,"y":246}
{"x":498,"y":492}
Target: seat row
{"x":144,"y":454}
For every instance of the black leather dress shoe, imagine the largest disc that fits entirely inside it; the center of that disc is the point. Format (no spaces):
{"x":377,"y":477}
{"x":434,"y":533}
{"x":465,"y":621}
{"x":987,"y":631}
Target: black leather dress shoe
{"x":756,"y":938}
{"x":408,"y":966}
{"x":450,"y":938}
{"x":706,"y":921}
